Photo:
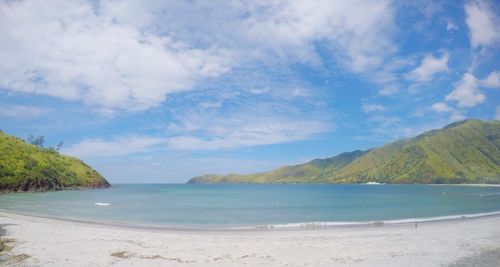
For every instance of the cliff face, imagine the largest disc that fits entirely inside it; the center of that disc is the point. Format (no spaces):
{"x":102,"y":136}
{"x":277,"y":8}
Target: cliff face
{"x":462,"y":152}
{"x":25,"y":167}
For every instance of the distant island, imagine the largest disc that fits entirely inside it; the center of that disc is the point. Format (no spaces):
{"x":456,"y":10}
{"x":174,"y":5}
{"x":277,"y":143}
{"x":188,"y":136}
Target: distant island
{"x":462,"y":152}
{"x":27,"y":167}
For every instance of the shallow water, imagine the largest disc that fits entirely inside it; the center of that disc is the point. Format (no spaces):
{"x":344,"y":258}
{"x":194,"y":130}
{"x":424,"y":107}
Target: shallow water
{"x":192,"y":205}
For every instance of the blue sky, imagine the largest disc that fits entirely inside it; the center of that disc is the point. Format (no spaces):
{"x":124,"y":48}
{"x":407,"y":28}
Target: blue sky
{"x":160,"y":91}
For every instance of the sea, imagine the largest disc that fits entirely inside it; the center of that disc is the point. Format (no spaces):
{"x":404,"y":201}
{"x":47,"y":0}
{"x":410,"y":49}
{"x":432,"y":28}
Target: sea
{"x":244,"y":206}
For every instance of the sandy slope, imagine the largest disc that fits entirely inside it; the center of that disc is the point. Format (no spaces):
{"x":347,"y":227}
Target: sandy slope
{"x":49,"y":242}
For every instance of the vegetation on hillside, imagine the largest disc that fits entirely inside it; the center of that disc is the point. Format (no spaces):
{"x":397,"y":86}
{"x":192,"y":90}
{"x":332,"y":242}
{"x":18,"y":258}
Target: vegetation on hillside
{"x":31,"y":167}
{"x":314,"y":171}
{"x":462,"y":152}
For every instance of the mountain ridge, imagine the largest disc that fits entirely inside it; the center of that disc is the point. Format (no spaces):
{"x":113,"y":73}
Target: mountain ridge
{"x":462,"y":152}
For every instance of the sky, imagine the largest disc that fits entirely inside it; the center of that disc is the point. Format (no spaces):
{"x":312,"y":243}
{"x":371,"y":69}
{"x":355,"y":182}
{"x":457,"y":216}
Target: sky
{"x":161,"y":91}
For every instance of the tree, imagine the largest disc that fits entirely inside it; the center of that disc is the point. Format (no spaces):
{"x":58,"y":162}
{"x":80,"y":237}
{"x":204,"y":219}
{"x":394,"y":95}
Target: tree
{"x":59,"y":146}
{"x":30,"y":139}
{"x":38,"y":141}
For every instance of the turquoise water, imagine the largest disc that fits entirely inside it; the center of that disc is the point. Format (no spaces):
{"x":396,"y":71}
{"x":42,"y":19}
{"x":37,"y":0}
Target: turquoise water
{"x":189,"y":205}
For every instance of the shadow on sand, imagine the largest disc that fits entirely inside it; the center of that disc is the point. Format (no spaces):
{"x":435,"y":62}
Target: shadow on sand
{"x":3,"y":231}
{"x":486,"y":258}
{"x":6,"y":246}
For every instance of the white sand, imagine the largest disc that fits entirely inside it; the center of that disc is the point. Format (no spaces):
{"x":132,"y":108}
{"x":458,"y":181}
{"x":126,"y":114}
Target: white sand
{"x":50,"y":242}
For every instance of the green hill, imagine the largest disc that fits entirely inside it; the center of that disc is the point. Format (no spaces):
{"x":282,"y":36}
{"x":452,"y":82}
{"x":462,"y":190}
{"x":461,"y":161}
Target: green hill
{"x":25,"y":167}
{"x":315,"y":171}
{"x":462,"y":152}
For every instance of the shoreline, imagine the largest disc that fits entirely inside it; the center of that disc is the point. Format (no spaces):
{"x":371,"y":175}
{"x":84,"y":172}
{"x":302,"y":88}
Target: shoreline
{"x":76,"y":188}
{"x":478,"y":185}
{"x":35,"y":241}
{"x":2,"y":192}
{"x":270,"y":227}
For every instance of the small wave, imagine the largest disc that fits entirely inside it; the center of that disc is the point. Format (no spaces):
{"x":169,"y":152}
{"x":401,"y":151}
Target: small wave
{"x":102,"y":204}
{"x":375,"y":183}
{"x":314,"y":225}
{"x":490,"y":194}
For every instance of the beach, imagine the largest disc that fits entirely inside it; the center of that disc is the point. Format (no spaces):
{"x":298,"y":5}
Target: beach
{"x":38,"y":241}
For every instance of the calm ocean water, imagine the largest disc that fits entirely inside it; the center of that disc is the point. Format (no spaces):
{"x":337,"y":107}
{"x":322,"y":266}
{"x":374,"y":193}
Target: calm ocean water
{"x":188,"y":205}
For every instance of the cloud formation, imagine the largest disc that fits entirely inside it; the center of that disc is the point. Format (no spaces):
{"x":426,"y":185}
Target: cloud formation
{"x":429,"y":67}
{"x":250,"y":134}
{"x":466,"y":92}
{"x":230,"y":134}
{"x":390,"y":90}
{"x":110,"y":148}
{"x":130,"y":55}
{"x":82,"y":54}
{"x":483,"y":24}
{"x":492,"y":81}
{"x":250,"y":123}
{"x":441,"y":107}
{"x":216,"y":127}
{"x":371,"y":107}
{"x":21,"y":111}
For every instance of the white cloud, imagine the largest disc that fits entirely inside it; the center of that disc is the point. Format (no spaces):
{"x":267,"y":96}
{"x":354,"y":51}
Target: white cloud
{"x":387,"y":128}
{"x":82,"y":54}
{"x":130,"y":55}
{"x":289,"y":31}
{"x":419,"y":113}
{"x":390,"y":90}
{"x":117,"y":147}
{"x":466,"y":92}
{"x":492,"y":81}
{"x":216,"y":134}
{"x":429,"y":67}
{"x":455,"y":115}
{"x":441,"y":107}
{"x":264,"y":132}
{"x":450,"y":26}
{"x":358,"y":35}
{"x":370,"y":107}
{"x":483,"y":24}
{"x":249,"y":125}
{"x":198,"y":127}
{"x":21,"y":111}
{"x":300,"y":92}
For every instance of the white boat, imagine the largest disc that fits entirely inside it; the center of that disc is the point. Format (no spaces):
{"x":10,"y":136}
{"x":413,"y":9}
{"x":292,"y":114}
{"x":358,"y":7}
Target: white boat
{"x":101,"y":204}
